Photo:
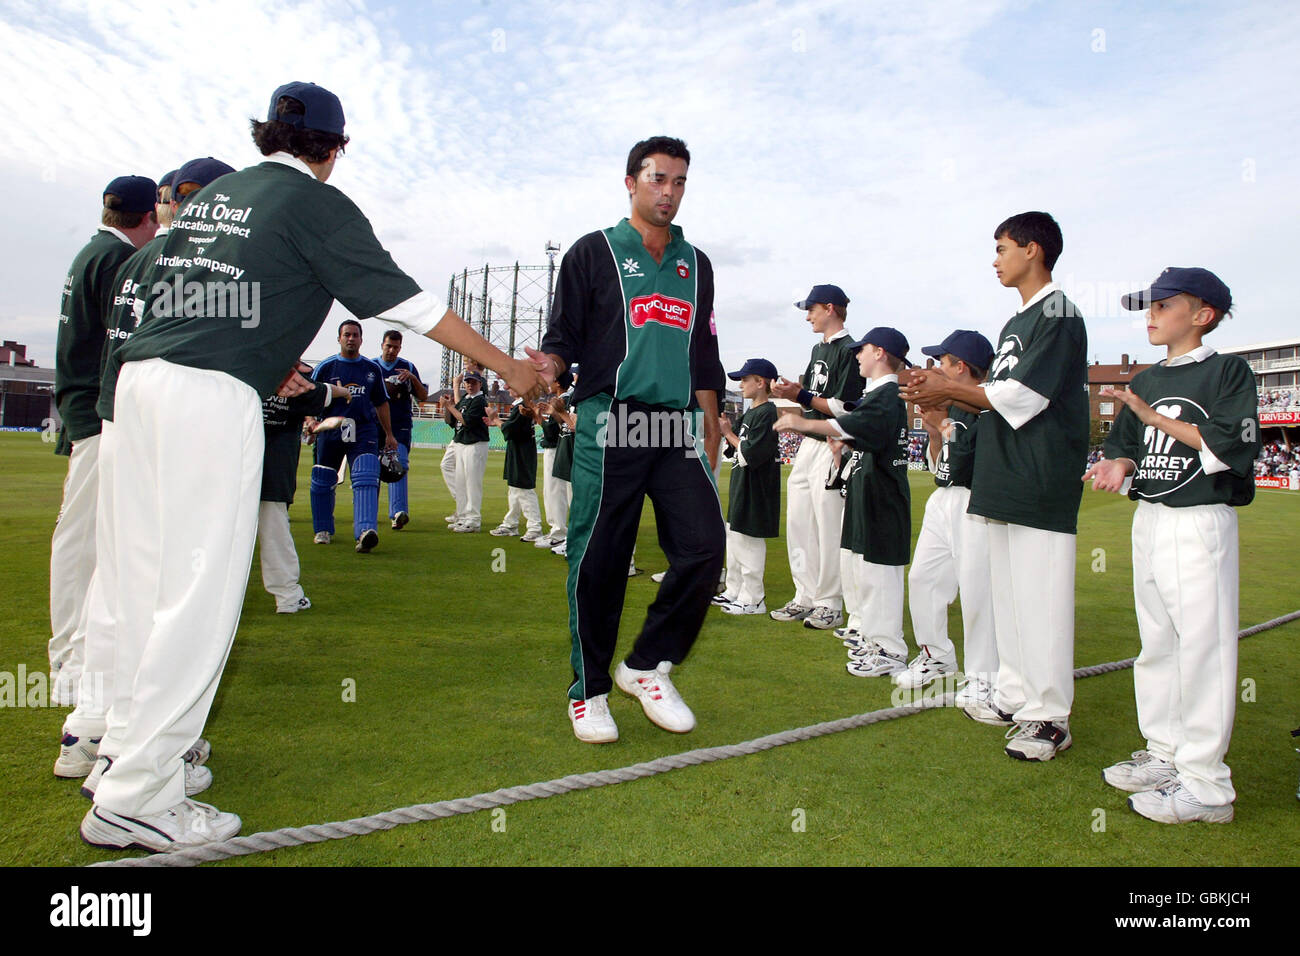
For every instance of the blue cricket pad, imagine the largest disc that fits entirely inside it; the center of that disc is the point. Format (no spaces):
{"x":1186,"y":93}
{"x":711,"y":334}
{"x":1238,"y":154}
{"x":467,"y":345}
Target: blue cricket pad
{"x":323,"y":480}
{"x":365,"y":494}
{"x":397,"y":500}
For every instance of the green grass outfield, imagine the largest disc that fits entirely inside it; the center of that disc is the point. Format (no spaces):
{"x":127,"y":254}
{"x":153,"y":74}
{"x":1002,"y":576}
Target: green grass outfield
{"x":460,"y":678}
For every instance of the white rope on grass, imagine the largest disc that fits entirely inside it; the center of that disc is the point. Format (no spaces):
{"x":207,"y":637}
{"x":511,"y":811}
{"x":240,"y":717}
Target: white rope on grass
{"x":320,"y":832}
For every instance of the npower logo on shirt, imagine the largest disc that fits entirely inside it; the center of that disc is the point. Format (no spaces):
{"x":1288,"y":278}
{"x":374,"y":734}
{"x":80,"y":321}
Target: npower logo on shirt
{"x":664,"y":309}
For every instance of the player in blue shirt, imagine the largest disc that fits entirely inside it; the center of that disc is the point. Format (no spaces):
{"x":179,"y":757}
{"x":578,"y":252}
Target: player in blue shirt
{"x":403,"y":381}
{"x":355,"y":436}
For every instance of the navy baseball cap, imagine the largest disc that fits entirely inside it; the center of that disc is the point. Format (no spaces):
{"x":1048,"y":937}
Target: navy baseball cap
{"x":823,"y":295}
{"x":1201,"y":283}
{"x":165,"y":180}
{"x":137,"y":193}
{"x":971,"y":347}
{"x":883,"y":337}
{"x":321,"y":109}
{"x":201,"y":171}
{"x":474,"y":377}
{"x":754,"y":366}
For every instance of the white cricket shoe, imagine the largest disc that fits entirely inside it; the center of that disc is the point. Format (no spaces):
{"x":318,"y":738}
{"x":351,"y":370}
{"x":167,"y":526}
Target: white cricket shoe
{"x":188,"y":824}
{"x":531,"y":536}
{"x":871,"y":660}
{"x":562,"y":549}
{"x":791,"y":612}
{"x":465,"y":527}
{"x":450,"y":519}
{"x":322,"y":537}
{"x":368,"y":541}
{"x":1145,"y":771}
{"x":633,"y":570}
{"x":822,"y":618}
{"x":504,"y":531}
{"x":401,"y":520}
{"x":77,"y":755}
{"x":721,"y":600}
{"x":658,"y":577}
{"x":302,"y":605}
{"x":199,"y":753}
{"x":923,"y":670}
{"x":592,"y":721}
{"x":1174,"y":803}
{"x":659,"y":698}
{"x":734,"y":608}
{"x":972,"y":692}
{"x":197,"y":778}
{"x":1039,"y":740}
{"x":547,"y":541}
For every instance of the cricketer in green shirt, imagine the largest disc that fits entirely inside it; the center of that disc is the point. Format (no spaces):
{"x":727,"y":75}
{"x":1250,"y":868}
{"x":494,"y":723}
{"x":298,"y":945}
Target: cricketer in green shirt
{"x":754,"y":494}
{"x":878,"y":501}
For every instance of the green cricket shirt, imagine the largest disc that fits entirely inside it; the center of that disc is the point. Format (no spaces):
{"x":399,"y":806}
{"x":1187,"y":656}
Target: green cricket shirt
{"x":123,"y":319}
{"x":88,"y":293}
{"x":473,"y":409}
{"x":1218,"y":395}
{"x":640,"y":330}
{"x":1030,"y":475}
{"x":521,"y":448}
{"x":754,"y":496}
{"x":956,"y":461}
{"x":832,"y":372}
{"x":878,"y":501}
{"x":249,"y":271}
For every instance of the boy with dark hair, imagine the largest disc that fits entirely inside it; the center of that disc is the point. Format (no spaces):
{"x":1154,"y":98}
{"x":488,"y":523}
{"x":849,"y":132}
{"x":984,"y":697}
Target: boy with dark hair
{"x":471,"y":441}
{"x":815,"y":508}
{"x":1183,"y":446}
{"x":1035,"y":434}
{"x":877,"y":530}
{"x":951,"y":553}
{"x":754,"y":499}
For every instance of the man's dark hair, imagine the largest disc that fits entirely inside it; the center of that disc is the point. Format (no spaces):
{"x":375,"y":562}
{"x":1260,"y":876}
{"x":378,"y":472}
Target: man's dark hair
{"x":656,"y":144}
{"x":311,"y":145}
{"x":1036,"y":227}
{"x":392,"y":334}
{"x":348,"y":322}
{"x":114,"y":217}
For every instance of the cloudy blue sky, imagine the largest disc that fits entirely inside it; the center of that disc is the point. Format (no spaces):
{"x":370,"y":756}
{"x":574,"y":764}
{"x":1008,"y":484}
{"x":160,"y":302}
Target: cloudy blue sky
{"x":874,"y":145}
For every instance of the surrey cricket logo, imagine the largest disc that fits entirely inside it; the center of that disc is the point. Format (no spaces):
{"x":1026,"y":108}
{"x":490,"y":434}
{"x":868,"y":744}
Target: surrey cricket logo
{"x":1008,"y":357}
{"x":1168,"y":464}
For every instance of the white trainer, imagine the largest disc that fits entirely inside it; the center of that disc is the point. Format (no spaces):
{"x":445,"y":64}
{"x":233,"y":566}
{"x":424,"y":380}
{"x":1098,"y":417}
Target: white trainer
{"x":531,"y":537}
{"x":1145,"y":771}
{"x":734,"y":608}
{"x":562,"y":549}
{"x":302,"y":605}
{"x":1174,"y":803}
{"x":1039,"y":740}
{"x":465,"y":527}
{"x":504,"y":531}
{"x":791,"y":612}
{"x":546,"y":541}
{"x":401,"y":520}
{"x":871,"y":660}
{"x":592,"y":721}
{"x":197,"y":778}
{"x":822,"y":618}
{"x":188,"y":824}
{"x":450,"y":519}
{"x":973,"y":691}
{"x":322,"y":537}
{"x":923,"y":670}
{"x":659,"y":698}
{"x":199,"y":753}
{"x":77,"y":755}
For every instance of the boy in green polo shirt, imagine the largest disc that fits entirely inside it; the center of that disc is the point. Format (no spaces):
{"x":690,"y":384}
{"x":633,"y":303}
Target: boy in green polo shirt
{"x":754,"y":498}
{"x":520,"y":471}
{"x":876,"y":537}
{"x":1183,"y":446}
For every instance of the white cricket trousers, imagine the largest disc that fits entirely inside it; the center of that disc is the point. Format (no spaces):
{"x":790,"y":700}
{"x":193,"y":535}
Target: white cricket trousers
{"x":812,"y":528}
{"x":951,"y":556}
{"x":1185,"y":577}
{"x":449,"y":474}
{"x":72,"y":562}
{"x":873,"y":593}
{"x":523,"y":502}
{"x":1031,"y":579}
{"x":471,"y":465}
{"x":95,"y":692}
{"x":187,"y":476}
{"x":555,"y":495}
{"x":746,"y":561}
{"x":278,"y":556}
